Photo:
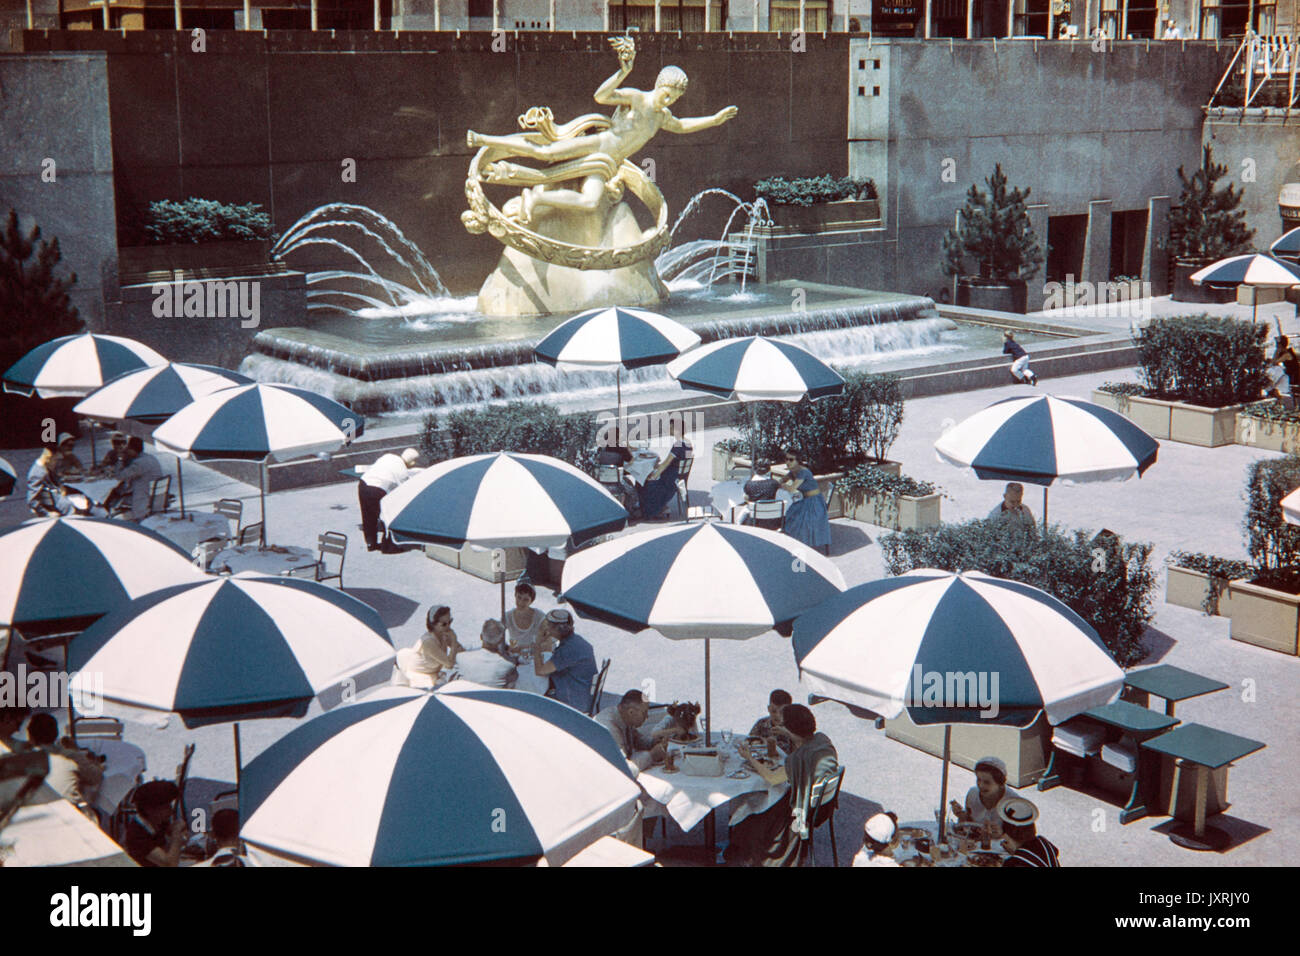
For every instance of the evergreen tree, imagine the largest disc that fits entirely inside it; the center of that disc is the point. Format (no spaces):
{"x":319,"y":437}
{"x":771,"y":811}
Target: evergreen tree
{"x":1208,"y":223}
{"x":993,"y":237}
{"x":34,"y":303}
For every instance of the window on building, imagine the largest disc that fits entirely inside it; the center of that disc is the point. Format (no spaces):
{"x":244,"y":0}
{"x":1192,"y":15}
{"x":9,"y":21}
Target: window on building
{"x":783,"y":15}
{"x":684,"y":15}
{"x":286,"y":19}
{"x":480,"y":8}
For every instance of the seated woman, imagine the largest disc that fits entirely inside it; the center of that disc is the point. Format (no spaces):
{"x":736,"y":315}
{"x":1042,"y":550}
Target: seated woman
{"x":807,"y":518}
{"x":985,"y":799}
{"x":771,"y":838}
{"x":66,"y":464}
{"x":431,"y":661}
{"x":771,"y":726}
{"x":617,"y":455}
{"x":523,"y":622}
{"x":661,"y":487}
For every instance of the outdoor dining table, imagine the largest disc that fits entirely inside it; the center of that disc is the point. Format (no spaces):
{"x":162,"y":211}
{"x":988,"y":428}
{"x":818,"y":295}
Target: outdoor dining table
{"x":690,"y":799}
{"x":960,"y":853}
{"x":124,"y":765}
{"x":187,"y":532}
{"x":1139,"y":724}
{"x":275,"y":559}
{"x":639,"y":468}
{"x":1172,"y":683}
{"x":729,"y":499}
{"x":95,"y":489}
{"x":1202,"y":750}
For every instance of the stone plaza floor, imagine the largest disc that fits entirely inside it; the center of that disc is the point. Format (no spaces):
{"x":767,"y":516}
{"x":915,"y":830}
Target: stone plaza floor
{"x":1192,"y":498}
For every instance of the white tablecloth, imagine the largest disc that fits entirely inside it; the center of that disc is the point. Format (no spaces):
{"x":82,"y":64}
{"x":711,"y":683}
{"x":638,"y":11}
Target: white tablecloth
{"x":96,"y":489}
{"x":688,"y":800}
{"x":728,"y":494}
{"x":187,"y":532}
{"x":124,"y":764}
{"x":639,"y":468}
{"x":249,"y":558}
{"x":528,"y":679}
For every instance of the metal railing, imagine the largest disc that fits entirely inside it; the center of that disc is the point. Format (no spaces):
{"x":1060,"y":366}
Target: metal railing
{"x":1261,"y":62}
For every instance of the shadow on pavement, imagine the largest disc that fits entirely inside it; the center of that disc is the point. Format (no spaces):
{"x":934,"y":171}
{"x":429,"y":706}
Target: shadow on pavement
{"x":394,"y":609}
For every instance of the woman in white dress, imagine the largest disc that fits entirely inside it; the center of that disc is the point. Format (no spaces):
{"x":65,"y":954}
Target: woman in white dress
{"x":431,"y":662}
{"x":985,"y":799}
{"x":522,"y":624}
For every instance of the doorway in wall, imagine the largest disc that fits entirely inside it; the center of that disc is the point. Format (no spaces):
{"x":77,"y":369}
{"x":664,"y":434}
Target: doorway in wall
{"x":1065,"y":242}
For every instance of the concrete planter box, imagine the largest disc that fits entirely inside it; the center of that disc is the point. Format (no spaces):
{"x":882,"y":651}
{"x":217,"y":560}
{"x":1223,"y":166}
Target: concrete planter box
{"x":1267,"y":435}
{"x":898,"y":512}
{"x":722,"y":462}
{"x":443,"y":554}
{"x":483,"y":563}
{"x":1264,"y":617}
{"x":1186,"y":291}
{"x":824,"y":217}
{"x":227,"y":257}
{"x":1025,"y":751}
{"x":1197,"y":425}
{"x":1187,"y":588}
{"x":1151,"y":415}
{"x":1009,"y":295}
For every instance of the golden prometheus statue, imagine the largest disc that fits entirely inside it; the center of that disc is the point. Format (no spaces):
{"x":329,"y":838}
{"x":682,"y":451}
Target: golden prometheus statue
{"x":571,"y":241}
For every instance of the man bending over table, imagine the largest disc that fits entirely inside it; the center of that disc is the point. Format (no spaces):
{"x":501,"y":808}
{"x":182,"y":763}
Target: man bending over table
{"x":624,"y":722}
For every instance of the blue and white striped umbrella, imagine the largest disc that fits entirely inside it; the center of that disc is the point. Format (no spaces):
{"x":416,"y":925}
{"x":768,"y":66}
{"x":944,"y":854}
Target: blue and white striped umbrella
{"x":755,"y":369}
{"x":154,"y":394}
{"x":501,"y":500}
{"x":707,"y":580}
{"x":257,"y":423}
{"x":76,"y":365}
{"x":8,"y":478}
{"x":1288,"y":245}
{"x":1041,"y":439}
{"x":225,"y":649}
{"x":62,"y":573}
{"x":465,"y":775}
{"x":1254,"y":269}
{"x":615,"y":337}
{"x":929,"y":642}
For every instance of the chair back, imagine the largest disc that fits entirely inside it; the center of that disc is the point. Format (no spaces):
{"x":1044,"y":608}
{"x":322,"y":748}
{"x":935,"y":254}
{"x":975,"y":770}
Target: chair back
{"x":768,"y":510}
{"x":609,"y":475}
{"x":251,"y":533}
{"x":827,"y":489}
{"x":331,"y":543}
{"x":101,"y":728}
{"x":825,"y":793}
{"x":684,"y":468}
{"x":230,"y":508}
{"x":598,"y":686}
{"x":159,"y":489}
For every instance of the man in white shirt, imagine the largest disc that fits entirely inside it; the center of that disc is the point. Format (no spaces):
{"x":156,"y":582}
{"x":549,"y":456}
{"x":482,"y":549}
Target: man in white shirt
{"x":1012,"y":511}
{"x":379,"y":479}
{"x":879,"y":841}
{"x":135,"y":480}
{"x":487,"y":665}
{"x":624,"y":722}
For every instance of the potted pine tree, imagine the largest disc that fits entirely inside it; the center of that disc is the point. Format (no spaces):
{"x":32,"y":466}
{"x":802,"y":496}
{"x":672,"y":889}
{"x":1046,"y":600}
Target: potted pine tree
{"x":1207,"y":225}
{"x":993,"y":250}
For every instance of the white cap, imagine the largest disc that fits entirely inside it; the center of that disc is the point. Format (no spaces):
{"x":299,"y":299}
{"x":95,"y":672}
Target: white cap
{"x":409,"y":456}
{"x":881,"y":828}
{"x":1018,"y":812}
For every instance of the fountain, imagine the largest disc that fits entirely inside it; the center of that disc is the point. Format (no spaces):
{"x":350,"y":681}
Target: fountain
{"x":393,"y":337}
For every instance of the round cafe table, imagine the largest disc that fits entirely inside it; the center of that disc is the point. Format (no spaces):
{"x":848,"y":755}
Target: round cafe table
{"x":961,"y":852}
{"x":275,"y":559}
{"x":639,"y":468}
{"x":689,"y":799}
{"x":187,"y":532}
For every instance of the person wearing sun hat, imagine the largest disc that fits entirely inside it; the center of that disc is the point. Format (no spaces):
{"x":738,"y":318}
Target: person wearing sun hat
{"x":66,"y":464}
{"x":1020,"y":836}
{"x":985,"y":799}
{"x":114,"y":459}
{"x":879,"y":838}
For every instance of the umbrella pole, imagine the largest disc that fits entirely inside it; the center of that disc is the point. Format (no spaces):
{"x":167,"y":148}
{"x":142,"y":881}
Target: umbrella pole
{"x":239,"y":763}
{"x":618,"y":404}
{"x":1044,"y":509}
{"x":90,"y":422}
{"x":503,"y":599}
{"x":261,"y":492}
{"x":708,"y":706}
{"x":943,"y":787}
{"x":72,"y":719}
{"x":180,"y":487}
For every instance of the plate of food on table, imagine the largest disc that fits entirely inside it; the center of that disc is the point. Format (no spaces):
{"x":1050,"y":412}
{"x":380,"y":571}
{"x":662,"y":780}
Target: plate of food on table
{"x":681,"y":721}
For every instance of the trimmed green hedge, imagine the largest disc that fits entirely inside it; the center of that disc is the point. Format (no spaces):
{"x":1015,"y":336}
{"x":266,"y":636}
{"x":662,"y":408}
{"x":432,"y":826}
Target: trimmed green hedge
{"x":1273,"y":545}
{"x":1107,"y":583}
{"x":809,"y":191}
{"x":526,"y":427}
{"x":204,"y":220}
{"x":1204,"y":360}
{"x":865,"y":481}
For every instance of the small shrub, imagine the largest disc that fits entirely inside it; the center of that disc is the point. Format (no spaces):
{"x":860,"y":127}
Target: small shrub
{"x":808,"y":191}
{"x":993,"y":239}
{"x":861,"y":423}
{"x":1273,"y":545}
{"x":1122,"y":388}
{"x":204,"y":220}
{"x":864,"y":482}
{"x":1272,"y":411}
{"x":1112,"y":592}
{"x":1208,"y":222}
{"x":1204,"y":360}
{"x":523,"y":427}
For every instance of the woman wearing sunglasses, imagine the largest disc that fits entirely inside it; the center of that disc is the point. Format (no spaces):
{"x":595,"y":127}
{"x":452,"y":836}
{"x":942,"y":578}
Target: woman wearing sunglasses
{"x":432,"y":661}
{"x":807,"y":518}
